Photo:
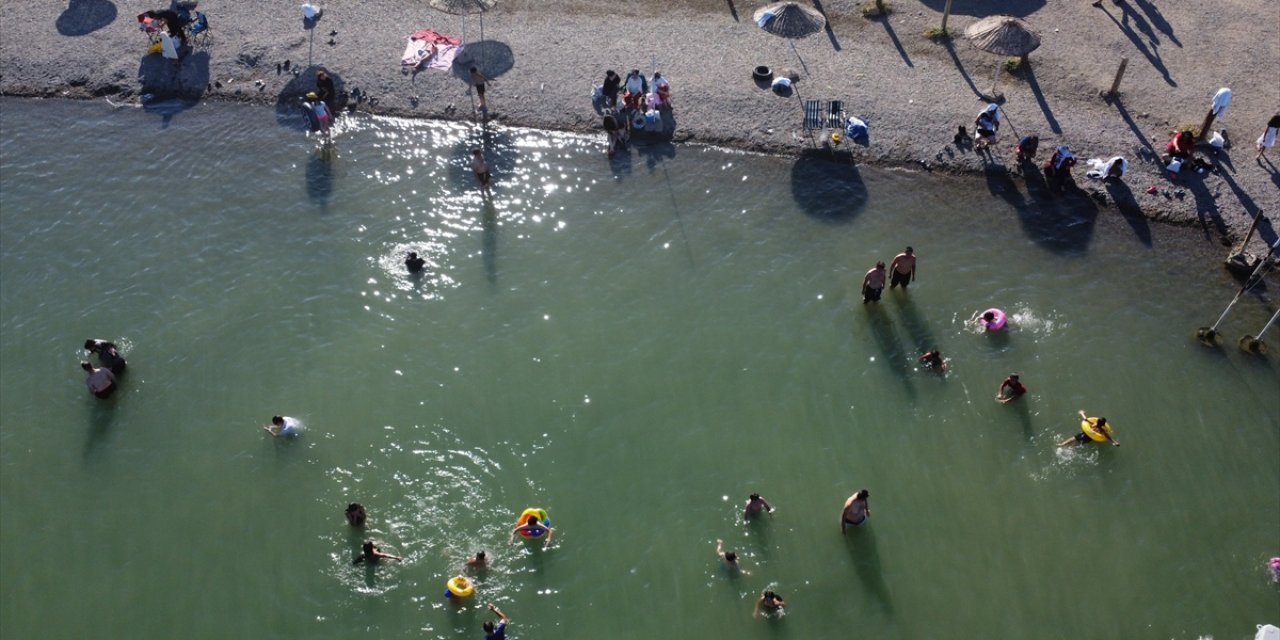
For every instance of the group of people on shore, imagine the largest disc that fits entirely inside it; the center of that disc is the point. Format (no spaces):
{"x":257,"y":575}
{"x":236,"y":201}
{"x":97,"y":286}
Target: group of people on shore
{"x":640,"y":104}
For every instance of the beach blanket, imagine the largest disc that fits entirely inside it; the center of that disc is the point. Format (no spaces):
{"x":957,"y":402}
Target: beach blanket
{"x":436,"y":50}
{"x":1099,"y":169}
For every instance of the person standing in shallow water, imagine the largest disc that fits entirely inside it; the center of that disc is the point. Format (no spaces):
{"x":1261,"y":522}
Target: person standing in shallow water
{"x":856,"y":510}
{"x":769,"y":602}
{"x":903,"y":269}
{"x":730,"y":560}
{"x":873,"y":284}
{"x":1010,"y":389}
{"x":413,"y":263}
{"x":356,"y":514}
{"x":371,"y":554}
{"x":755,"y":504}
{"x":100,"y":381}
{"x":108,"y":355}
{"x":481,"y":170}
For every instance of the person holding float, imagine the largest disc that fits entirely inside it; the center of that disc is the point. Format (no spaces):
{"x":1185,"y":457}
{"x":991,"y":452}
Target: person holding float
{"x":532,"y":524}
{"x":458,"y":588}
{"x":992,"y":319}
{"x":1091,"y":430}
{"x":1010,"y":389}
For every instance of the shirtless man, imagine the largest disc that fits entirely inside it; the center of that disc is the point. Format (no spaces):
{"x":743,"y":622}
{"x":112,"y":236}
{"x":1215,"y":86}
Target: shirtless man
{"x":101,"y":382}
{"x":481,"y":170}
{"x":730,"y":560}
{"x":873,"y":284}
{"x":903,"y":268}
{"x":755,"y":504}
{"x":856,"y":510}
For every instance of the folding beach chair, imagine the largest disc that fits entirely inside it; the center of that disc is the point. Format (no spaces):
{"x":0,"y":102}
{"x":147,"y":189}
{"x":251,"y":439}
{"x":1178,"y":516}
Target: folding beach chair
{"x":835,"y":115}
{"x":812,"y":114}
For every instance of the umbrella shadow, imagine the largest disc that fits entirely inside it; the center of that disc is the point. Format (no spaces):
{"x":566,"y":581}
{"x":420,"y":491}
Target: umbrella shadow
{"x":83,"y":17}
{"x":489,"y":240}
{"x":826,"y":189}
{"x":865,"y":556}
{"x":1129,"y":209}
{"x":831,"y":34}
{"x":1149,"y":53}
{"x":289,"y":110}
{"x":890,"y":346}
{"x":984,"y":8}
{"x":1040,"y":99}
{"x":917,"y":326}
{"x":951,"y":51}
{"x":490,"y":57}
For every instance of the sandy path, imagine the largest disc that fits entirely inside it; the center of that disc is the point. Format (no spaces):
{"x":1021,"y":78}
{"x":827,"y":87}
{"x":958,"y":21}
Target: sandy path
{"x":545,"y":56}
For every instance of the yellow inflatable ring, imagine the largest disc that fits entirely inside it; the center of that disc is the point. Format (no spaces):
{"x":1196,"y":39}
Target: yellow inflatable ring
{"x":459,"y":587}
{"x":1090,"y":429}
{"x":541,"y":515}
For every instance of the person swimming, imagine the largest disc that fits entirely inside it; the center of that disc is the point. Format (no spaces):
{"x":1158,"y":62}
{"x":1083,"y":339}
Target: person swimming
{"x":769,"y":602}
{"x":730,"y":559}
{"x":356,"y":514}
{"x":856,"y":510}
{"x":370,"y":553}
{"x":108,"y":355}
{"x":533,"y":529}
{"x":413,"y":263}
{"x":933,"y":360}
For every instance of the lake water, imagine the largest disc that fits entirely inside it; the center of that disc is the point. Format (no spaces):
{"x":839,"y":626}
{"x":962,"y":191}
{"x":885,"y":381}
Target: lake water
{"x":634,"y":345}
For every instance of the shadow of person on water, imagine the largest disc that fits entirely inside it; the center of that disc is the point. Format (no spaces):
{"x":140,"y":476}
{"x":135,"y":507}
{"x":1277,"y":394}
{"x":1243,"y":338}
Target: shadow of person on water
{"x":489,"y":240}
{"x":320,"y":175}
{"x":890,"y":346}
{"x":865,"y":556}
{"x":83,"y":17}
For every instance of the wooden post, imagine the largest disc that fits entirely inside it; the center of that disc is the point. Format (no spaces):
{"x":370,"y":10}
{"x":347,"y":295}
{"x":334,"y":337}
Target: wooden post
{"x":946,"y":13}
{"x":1115,"y":84}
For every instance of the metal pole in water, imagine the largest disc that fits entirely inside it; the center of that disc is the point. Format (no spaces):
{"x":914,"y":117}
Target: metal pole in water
{"x":1209,"y":336}
{"x":1254,"y":344}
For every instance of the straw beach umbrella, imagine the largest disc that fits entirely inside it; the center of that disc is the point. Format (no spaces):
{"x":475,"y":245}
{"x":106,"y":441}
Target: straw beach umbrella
{"x":791,"y":21}
{"x":1004,"y":36}
{"x":465,"y":8}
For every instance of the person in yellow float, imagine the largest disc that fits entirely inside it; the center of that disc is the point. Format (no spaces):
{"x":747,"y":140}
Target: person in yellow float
{"x":1091,"y":430}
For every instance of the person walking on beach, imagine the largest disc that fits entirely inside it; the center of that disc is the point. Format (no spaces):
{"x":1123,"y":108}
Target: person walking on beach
{"x":730,"y":560}
{"x":769,"y":602}
{"x":481,"y":170}
{"x":903,"y":269}
{"x":100,"y":381}
{"x":478,"y":80}
{"x":496,"y":631}
{"x":1096,"y":425}
{"x":1010,"y":389}
{"x":370,"y":553}
{"x":856,"y":510}
{"x":1268,"y":137}
{"x":755,"y":504}
{"x":108,"y":355}
{"x":873,"y":284}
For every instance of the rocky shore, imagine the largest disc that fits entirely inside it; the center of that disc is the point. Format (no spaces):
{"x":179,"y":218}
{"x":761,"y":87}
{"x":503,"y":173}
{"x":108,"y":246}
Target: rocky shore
{"x":544,"y":57}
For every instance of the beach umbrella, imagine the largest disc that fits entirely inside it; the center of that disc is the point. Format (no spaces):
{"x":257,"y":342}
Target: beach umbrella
{"x":791,"y":21}
{"x":1004,"y":36}
{"x":465,"y":8}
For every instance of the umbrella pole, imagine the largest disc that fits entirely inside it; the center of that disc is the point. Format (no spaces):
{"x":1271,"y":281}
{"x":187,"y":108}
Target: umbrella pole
{"x":995,"y":82}
{"x":793,"y":50}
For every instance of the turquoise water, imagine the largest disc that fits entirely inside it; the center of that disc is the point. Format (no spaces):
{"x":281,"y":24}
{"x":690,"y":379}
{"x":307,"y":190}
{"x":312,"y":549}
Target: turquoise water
{"x":633,"y":345}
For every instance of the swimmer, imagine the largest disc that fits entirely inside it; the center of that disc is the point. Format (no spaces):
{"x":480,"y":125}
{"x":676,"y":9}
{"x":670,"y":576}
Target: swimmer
{"x":1274,"y":564}
{"x":283,"y":426}
{"x":903,"y":269}
{"x":730,"y":559}
{"x":370,"y":553}
{"x":108,"y":354}
{"x":933,"y":360}
{"x":356,"y":514}
{"x":856,"y":510}
{"x":413,"y":263}
{"x":754,"y":505}
{"x":873,"y":284}
{"x":770,"y":602}
{"x":1099,"y":425}
{"x":1010,"y":389}
{"x":479,"y":562}
{"x":533,"y":528}
{"x":100,"y":380}
{"x":496,"y":631}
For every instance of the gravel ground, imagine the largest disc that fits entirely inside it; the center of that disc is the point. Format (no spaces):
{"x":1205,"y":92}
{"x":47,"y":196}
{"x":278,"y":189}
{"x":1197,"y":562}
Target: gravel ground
{"x":544,"y":56}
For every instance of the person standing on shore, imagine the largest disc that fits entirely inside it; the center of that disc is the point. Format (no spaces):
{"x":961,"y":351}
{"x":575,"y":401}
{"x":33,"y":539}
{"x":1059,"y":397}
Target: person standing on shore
{"x":1268,"y":137}
{"x":612,"y":84}
{"x":100,"y":381}
{"x":481,"y":170}
{"x":903,"y":269}
{"x":108,"y":355}
{"x":873,"y":284}
{"x":478,"y":80}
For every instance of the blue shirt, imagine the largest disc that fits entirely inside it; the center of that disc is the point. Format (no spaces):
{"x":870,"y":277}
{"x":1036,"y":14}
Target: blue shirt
{"x":499,"y":632}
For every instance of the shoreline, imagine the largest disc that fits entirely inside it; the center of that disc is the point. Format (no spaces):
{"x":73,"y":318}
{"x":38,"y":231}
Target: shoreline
{"x":544,"y":57}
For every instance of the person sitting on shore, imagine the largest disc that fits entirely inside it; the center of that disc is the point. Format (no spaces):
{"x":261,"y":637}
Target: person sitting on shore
{"x":612,"y":85}
{"x":933,"y":360}
{"x":635,"y":88}
{"x":370,"y":553}
{"x":1181,"y":145}
{"x":730,"y":560}
{"x":1027,"y":148}
{"x":1010,"y":389}
{"x":108,"y":355}
{"x":413,"y":263}
{"x":987,"y":124}
{"x":661,"y":95}
{"x":769,"y":602}
{"x":1058,"y":169}
{"x":356,"y":514}
{"x":100,"y":381}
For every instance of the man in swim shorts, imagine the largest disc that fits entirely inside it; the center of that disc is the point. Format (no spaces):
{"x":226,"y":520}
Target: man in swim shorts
{"x":873,"y":284}
{"x":478,"y":80}
{"x":856,"y":510}
{"x":1099,"y":425}
{"x":481,"y":170}
{"x":1010,"y":389}
{"x":903,"y":269}
{"x":770,"y":602}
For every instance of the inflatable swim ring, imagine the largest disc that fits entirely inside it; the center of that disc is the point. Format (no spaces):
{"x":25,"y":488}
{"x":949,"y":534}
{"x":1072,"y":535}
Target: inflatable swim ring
{"x":541,"y":515}
{"x":1095,"y":434}
{"x":997,"y":323}
{"x":459,"y":587}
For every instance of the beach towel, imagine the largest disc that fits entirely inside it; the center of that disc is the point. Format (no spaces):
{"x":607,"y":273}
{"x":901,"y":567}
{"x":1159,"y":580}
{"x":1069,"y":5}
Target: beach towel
{"x":436,"y":50}
{"x":1098,"y":169}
